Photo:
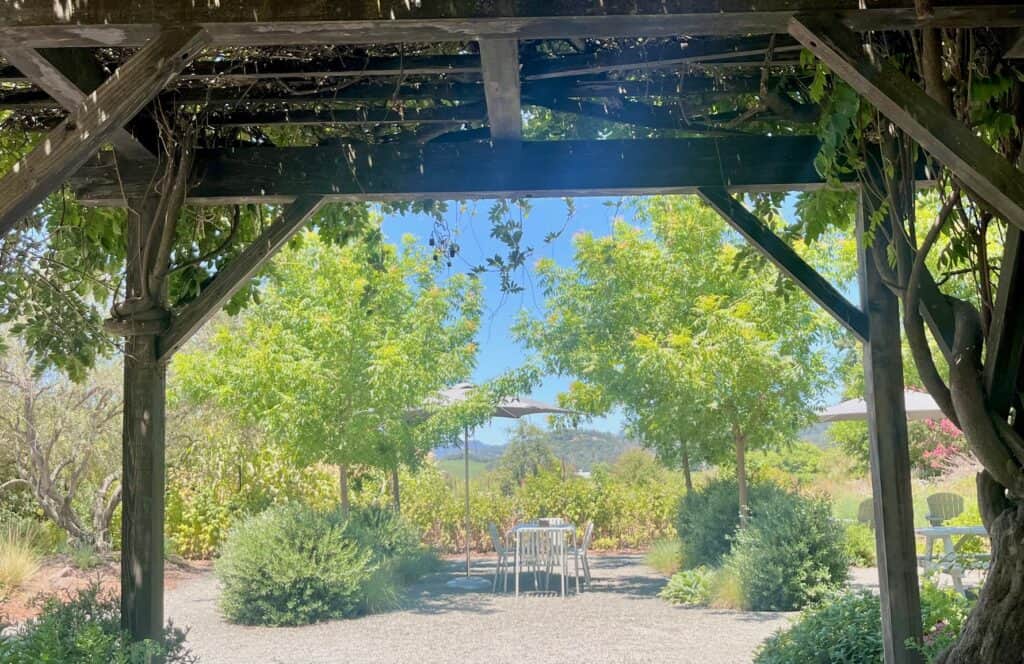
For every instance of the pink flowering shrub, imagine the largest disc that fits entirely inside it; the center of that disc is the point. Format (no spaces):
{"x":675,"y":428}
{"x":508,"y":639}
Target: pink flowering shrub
{"x":934,"y":445}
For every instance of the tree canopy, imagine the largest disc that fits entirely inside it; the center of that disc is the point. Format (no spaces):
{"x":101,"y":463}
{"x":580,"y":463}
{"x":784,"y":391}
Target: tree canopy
{"x":347,"y":343}
{"x":703,"y":358}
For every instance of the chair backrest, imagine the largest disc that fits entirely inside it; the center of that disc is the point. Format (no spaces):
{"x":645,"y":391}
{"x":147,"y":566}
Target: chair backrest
{"x":588,"y":534}
{"x":495,"y":538}
{"x":866,"y":512}
{"x":944,"y":506}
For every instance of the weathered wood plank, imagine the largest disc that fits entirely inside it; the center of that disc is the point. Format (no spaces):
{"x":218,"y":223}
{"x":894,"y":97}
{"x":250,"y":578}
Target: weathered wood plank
{"x":954,"y":144}
{"x":437,"y":115}
{"x":673,"y":55}
{"x":68,"y":75}
{"x":64,"y":149}
{"x":236,"y":274}
{"x":341,"y":67}
{"x":499,"y":59}
{"x":890,"y":457}
{"x":1005,"y":345}
{"x":480,"y":170}
{"x":41,"y":23}
{"x":787,"y":260}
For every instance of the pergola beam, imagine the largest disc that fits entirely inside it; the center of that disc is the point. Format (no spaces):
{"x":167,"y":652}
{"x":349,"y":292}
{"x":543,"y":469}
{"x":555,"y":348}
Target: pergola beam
{"x":708,"y":51}
{"x":69,"y":75}
{"x":64,"y":149}
{"x":448,"y":171}
{"x":787,"y":260}
{"x":36,"y":23}
{"x":434,"y":115}
{"x":968,"y":156}
{"x":500,"y":61}
{"x":235,"y":275}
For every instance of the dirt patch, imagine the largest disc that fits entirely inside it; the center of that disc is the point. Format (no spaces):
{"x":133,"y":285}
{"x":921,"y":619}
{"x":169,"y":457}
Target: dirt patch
{"x":58,"y":576}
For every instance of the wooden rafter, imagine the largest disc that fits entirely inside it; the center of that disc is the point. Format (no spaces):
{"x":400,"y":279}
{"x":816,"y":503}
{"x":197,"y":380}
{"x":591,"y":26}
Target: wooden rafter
{"x":787,"y":260}
{"x":435,"y":115}
{"x":236,"y":274}
{"x":967,"y":155}
{"x":36,"y":23}
{"x":64,"y":149}
{"x":480,"y":170}
{"x":500,"y":61}
{"x":68,"y":75}
{"x":708,"y":51}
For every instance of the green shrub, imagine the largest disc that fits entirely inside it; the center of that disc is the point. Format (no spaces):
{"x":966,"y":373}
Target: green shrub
{"x":292,"y":565}
{"x":860,"y":544}
{"x":86,"y":628}
{"x":943,"y":613}
{"x":664,"y":556}
{"x":692,"y":587}
{"x":847,"y":628}
{"x":791,"y":553}
{"x":708,"y":518}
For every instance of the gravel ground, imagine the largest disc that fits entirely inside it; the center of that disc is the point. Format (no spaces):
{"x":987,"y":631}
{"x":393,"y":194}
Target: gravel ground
{"x":620,"y":620}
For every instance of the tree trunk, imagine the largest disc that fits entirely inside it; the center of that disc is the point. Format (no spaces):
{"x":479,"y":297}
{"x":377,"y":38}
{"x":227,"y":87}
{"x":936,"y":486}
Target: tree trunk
{"x":741,"y":476}
{"x":395,"y":492}
{"x":343,"y":486}
{"x":994,"y":632}
{"x":687,"y":476}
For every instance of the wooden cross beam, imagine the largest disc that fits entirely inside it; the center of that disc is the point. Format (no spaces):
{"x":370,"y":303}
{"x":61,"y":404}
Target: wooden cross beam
{"x":436,"y":115}
{"x":68,"y":75}
{"x":235,"y":275}
{"x":787,"y":260}
{"x":36,"y":23}
{"x":706,"y":51}
{"x":450,"y":171}
{"x":500,"y":61}
{"x":64,"y":149}
{"x":970,"y":158}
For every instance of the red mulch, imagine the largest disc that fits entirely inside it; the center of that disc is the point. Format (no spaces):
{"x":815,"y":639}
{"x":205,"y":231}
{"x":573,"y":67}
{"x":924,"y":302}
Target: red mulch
{"x":58,"y":577}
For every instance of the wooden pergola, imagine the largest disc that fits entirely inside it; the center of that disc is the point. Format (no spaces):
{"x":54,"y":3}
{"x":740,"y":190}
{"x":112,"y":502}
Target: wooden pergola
{"x":424,"y":99}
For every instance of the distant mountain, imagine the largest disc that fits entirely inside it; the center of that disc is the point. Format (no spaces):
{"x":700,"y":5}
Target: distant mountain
{"x":477,"y":450}
{"x":584,"y":448}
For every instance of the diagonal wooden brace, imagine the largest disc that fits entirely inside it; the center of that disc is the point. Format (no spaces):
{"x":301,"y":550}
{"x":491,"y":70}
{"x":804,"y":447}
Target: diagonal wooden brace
{"x":970,"y":158}
{"x":236,"y":274}
{"x":787,"y":260}
{"x":64,"y":149}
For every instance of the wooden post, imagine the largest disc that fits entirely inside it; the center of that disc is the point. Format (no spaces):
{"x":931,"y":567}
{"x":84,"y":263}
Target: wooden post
{"x":890,"y":458}
{"x":142,"y":502}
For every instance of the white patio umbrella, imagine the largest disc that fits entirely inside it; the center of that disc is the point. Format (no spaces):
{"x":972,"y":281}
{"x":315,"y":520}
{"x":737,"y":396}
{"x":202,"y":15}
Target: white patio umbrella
{"x":511,"y":408}
{"x":919,"y":405}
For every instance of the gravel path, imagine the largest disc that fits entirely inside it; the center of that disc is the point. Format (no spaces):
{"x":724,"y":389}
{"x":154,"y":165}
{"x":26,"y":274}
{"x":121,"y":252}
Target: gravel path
{"x":621,"y":620}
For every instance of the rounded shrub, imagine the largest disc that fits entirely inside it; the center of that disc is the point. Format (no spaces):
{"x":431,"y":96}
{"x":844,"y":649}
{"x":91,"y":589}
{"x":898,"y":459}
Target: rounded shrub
{"x":291,"y":565}
{"x":709,"y":516}
{"x":791,"y":553}
{"x":847,"y":628}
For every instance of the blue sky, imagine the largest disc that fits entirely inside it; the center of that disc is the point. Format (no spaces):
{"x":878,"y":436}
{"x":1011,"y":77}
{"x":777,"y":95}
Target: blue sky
{"x":499,"y":351}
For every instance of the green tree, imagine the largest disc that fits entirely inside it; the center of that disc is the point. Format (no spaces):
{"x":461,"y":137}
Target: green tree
{"x":347,"y":342}
{"x":527,"y":454}
{"x":705,"y":360}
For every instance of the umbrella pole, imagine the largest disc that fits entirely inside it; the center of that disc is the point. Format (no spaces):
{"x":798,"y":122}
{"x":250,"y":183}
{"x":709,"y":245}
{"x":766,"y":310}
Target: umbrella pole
{"x":466,"y":462}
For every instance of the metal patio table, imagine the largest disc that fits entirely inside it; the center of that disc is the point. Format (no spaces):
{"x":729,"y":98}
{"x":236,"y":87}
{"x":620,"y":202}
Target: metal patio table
{"x":550,"y":542}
